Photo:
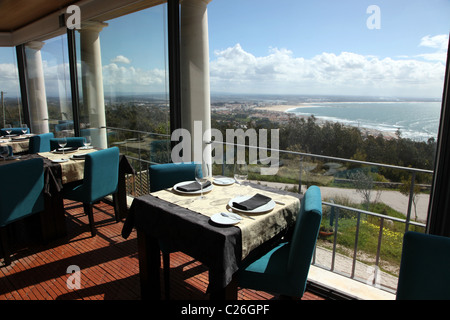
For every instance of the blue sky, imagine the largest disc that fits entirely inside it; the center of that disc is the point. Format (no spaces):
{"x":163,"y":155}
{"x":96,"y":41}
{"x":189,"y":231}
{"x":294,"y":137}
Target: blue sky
{"x":309,"y":28}
{"x":283,"y":47}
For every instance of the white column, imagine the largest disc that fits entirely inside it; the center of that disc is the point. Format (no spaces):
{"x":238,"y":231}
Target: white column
{"x":195,"y":88}
{"x":37,"y":99}
{"x":92,"y":80}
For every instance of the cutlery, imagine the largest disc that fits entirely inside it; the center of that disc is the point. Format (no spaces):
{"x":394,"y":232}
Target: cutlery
{"x":279,"y":202}
{"x":231,"y":216}
{"x":241,"y":214}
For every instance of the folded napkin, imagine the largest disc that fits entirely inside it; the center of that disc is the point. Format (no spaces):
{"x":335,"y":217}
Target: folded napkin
{"x":254,"y":202}
{"x":194,"y":186}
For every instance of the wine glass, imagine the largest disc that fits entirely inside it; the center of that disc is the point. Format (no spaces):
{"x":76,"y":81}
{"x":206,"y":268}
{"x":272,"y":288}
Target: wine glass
{"x":8,"y":129}
{"x":24,"y":128}
{"x":62,"y":143}
{"x":4,"y":152}
{"x":87,"y":142}
{"x":240,"y":172}
{"x":202,"y":176}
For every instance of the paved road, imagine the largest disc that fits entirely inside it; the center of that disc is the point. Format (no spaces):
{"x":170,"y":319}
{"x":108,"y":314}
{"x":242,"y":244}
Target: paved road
{"x":394,"y":199}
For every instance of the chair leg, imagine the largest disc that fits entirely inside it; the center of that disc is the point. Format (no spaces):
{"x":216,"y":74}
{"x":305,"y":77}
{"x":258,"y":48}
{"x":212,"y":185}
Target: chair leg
{"x":89,"y":211}
{"x":166,"y":266}
{"x":5,"y":247}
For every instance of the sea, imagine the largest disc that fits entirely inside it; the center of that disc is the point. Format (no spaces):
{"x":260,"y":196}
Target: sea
{"x":416,"y":120}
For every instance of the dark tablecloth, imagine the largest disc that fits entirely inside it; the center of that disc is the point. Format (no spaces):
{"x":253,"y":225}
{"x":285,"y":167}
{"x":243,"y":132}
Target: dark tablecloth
{"x":219,"y":248}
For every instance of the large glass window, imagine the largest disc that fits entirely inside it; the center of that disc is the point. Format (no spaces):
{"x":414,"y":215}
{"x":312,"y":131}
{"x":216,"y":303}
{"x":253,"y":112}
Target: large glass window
{"x":11,"y":106}
{"x":123,"y":70}
{"x":48,"y":84}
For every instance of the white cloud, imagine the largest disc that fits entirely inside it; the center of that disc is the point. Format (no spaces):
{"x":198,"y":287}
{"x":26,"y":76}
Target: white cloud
{"x":121,"y":59}
{"x":9,"y":78}
{"x":130,"y":79}
{"x":236,"y":70}
{"x":439,"y":42}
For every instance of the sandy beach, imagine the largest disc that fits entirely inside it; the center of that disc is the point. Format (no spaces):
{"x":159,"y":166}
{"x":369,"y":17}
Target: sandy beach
{"x":282,"y":107}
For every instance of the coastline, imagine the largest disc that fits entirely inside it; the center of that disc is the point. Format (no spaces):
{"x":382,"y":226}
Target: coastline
{"x":283,"y":108}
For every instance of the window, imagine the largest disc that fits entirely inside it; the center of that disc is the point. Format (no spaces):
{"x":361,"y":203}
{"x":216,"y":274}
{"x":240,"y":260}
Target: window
{"x":11,"y":105}
{"x":134,"y":73}
{"x":48,"y":82}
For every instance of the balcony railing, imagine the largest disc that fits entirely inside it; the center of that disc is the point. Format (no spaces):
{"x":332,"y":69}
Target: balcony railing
{"x":297,"y":171}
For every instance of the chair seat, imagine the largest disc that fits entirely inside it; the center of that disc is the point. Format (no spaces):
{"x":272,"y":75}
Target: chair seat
{"x":75,"y":191}
{"x":266,"y":272}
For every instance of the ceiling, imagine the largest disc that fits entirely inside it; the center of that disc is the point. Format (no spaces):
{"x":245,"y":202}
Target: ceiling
{"x":15,"y":14}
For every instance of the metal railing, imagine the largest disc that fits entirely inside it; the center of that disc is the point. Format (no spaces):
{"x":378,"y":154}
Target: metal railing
{"x":136,"y":144}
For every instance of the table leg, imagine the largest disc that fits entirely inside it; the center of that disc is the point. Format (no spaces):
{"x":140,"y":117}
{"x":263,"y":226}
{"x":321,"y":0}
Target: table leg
{"x":227,"y":293}
{"x":53,"y":219}
{"x":149,"y":266}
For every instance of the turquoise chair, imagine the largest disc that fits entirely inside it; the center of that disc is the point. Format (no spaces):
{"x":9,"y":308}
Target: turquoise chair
{"x":40,"y":143}
{"x":13,"y":131}
{"x":74,"y":142}
{"x":164,"y":176}
{"x":22,"y":195}
{"x":101,"y":175}
{"x":284,"y":269}
{"x":424,"y":268}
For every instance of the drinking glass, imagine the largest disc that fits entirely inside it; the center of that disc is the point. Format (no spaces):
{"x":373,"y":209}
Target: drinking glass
{"x":62,"y":143}
{"x":4,"y":152}
{"x":240,"y":172}
{"x":202,"y":176}
{"x":87,"y":142}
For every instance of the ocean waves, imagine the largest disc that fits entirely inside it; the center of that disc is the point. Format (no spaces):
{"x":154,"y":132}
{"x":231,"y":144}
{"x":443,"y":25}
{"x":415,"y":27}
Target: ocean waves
{"x":418,"y":121}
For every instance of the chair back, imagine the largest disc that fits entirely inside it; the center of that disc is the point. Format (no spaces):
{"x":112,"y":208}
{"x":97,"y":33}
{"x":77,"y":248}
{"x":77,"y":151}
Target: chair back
{"x":424,"y":267}
{"x":21,"y":189}
{"x":101,"y":173}
{"x":165,"y":175}
{"x":40,"y":143}
{"x":13,"y":131}
{"x":74,"y":142}
{"x":305,"y":236}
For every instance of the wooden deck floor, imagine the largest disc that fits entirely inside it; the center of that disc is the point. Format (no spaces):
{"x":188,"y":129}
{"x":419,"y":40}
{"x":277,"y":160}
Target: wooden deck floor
{"x":108,"y":266}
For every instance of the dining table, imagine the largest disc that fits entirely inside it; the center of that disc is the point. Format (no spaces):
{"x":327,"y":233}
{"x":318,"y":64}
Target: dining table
{"x":61,"y":168}
{"x":214,"y":229}
{"x":18,"y":143}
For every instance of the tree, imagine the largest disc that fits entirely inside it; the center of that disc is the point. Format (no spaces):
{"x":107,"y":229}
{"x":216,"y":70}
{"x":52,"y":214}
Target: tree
{"x":405,"y":189}
{"x":363,"y":184}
